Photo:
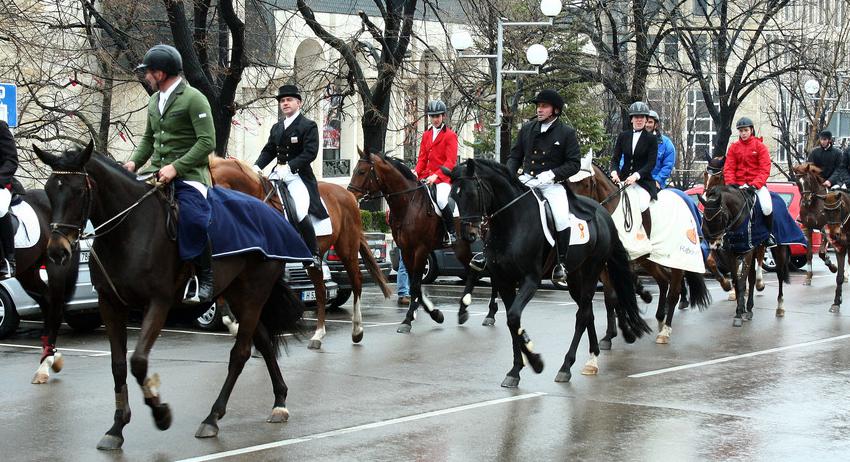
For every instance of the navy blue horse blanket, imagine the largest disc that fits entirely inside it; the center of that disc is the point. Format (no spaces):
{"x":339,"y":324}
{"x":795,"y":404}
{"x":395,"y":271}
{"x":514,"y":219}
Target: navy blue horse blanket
{"x":753,"y":231}
{"x":241,"y":223}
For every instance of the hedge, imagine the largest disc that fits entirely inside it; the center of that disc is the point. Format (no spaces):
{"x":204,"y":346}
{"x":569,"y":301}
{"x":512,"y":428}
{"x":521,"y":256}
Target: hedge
{"x":374,"y":221}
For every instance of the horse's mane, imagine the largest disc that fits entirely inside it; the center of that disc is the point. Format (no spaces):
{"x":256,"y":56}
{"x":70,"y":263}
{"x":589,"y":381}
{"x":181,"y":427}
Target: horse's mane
{"x":113,"y":165}
{"x":501,"y":170}
{"x":399,"y":165}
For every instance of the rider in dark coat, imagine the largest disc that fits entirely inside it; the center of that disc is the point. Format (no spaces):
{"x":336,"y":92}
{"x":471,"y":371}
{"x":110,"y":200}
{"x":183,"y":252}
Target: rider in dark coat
{"x":638,"y":150}
{"x":8,"y":166}
{"x":294,"y":144}
{"x":831,"y":161}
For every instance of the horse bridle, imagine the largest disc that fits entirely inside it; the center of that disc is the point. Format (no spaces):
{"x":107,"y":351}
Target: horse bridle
{"x":484,"y":218}
{"x":373,"y":176}
{"x":56,"y":227}
{"x":721,"y":211}
{"x":836,"y":208}
{"x":807,"y":194}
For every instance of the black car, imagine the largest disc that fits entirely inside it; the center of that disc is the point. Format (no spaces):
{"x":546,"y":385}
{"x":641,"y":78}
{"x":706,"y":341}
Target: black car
{"x":442,"y":262}
{"x":378,"y":244}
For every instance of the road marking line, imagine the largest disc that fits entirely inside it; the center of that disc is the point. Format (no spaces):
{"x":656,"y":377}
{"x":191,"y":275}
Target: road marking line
{"x":61,"y":349}
{"x":370,"y":426}
{"x":732,"y":358}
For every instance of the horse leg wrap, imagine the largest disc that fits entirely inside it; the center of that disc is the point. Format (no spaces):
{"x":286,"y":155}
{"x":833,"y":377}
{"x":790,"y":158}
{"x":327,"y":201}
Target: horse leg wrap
{"x":150,"y":388}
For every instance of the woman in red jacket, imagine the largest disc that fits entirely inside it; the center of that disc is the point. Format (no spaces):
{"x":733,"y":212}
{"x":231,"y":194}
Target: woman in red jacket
{"x":748,"y":166}
{"x":439,"y":149}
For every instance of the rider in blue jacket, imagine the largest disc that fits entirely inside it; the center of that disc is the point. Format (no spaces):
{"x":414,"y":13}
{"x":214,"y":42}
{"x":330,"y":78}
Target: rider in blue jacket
{"x":666,"y":152}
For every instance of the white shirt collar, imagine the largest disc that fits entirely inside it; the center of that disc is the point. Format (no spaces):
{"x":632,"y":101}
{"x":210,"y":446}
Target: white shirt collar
{"x":164,"y":95}
{"x":635,"y":139}
{"x":435,"y":131}
{"x":287,"y":121}
{"x":545,"y":125}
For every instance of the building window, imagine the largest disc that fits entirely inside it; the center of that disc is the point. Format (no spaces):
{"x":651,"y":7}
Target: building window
{"x":332,"y":164}
{"x":701,"y":131}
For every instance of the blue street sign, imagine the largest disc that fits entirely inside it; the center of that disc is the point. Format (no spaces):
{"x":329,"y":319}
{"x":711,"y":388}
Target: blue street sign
{"x":9,"y":103}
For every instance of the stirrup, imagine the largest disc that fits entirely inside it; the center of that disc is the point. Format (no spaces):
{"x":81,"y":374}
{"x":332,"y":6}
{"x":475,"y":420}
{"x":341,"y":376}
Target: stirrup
{"x":7,"y":272}
{"x":770,"y":242}
{"x":559,"y":280}
{"x":196,"y":295}
{"x":478,"y":262}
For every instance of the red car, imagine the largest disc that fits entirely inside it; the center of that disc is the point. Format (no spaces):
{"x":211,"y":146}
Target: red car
{"x":791,"y":195}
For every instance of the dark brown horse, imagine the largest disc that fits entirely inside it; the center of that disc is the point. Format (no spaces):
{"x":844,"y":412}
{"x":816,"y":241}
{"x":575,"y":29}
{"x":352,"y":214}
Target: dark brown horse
{"x":726,"y":209}
{"x":347,"y":236}
{"x":135,"y":265}
{"x":599,"y":187}
{"x":812,"y":194}
{"x":51,"y":297}
{"x":835,"y":215}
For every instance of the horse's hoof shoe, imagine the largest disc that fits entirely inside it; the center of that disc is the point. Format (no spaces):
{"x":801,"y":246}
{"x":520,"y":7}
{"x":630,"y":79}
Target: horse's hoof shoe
{"x":510,"y":382}
{"x":462,"y":317}
{"x":563,"y":377}
{"x":832,"y":309}
{"x":489,"y":322}
{"x":279,"y":414}
{"x":358,"y":337}
{"x":314,"y":345}
{"x":604,"y":345}
{"x":737,"y":322}
{"x":437,"y":316}
{"x":110,"y":443}
{"x":403,"y":329}
{"x":206,"y":431}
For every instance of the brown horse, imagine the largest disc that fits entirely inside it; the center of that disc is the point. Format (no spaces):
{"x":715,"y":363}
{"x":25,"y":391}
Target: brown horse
{"x":51,"y":297}
{"x":835,"y":215}
{"x":135,"y":265}
{"x":812,"y":194}
{"x":599,"y":187}
{"x":347,"y":237}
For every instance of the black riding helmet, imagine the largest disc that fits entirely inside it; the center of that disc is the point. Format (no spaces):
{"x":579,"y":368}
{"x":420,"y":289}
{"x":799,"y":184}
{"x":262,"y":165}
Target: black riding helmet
{"x":745,"y":122}
{"x":552,"y":97}
{"x":435,"y":107}
{"x":163,"y":58}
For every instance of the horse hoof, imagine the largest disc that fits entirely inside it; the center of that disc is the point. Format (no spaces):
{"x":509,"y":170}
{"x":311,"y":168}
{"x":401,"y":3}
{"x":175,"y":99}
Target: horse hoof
{"x":535,"y":361}
{"x":489,"y":322}
{"x":563,"y":376}
{"x":437,"y":316}
{"x":748,"y":316}
{"x":314,"y":345}
{"x":759,"y":286}
{"x":207,"y":431}
{"x":684,"y":304}
{"x":40,"y":378}
{"x":462,"y":317}
{"x":358,"y":337}
{"x":662,"y":339}
{"x":603,"y":345}
{"x":279,"y":414}
{"x":58,"y":362}
{"x":510,"y":382}
{"x":162,"y":416}
{"x":646,"y":297}
{"x":110,"y":443}
{"x":737,"y":322}
{"x":832,"y":309}
{"x":732,"y":297}
{"x":807,"y":281}
{"x":780,"y":312}
{"x":403,"y":329}
{"x":589,"y":370}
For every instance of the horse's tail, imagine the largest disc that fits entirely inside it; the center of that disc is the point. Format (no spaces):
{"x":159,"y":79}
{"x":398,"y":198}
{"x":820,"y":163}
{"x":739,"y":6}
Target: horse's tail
{"x":699,"y":295}
{"x":372,"y":266}
{"x":281,"y":314}
{"x":619,"y":268}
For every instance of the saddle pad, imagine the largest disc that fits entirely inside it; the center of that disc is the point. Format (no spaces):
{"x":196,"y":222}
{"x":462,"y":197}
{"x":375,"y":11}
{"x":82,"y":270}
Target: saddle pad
{"x":322,"y":227}
{"x":675,"y":241}
{"x":580,"y":231}
{"x":241,"y":223}
{"x":633,"y":236}
{"x":433,"y":197}
{"x":29,"y":230}
{"x":753,"y":231}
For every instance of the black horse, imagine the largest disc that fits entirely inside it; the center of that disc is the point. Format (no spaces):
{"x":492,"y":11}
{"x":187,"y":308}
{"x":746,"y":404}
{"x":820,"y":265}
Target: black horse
{"x":517,"y":253}
{"x":726,"y":209}
{"x":134,"y":265}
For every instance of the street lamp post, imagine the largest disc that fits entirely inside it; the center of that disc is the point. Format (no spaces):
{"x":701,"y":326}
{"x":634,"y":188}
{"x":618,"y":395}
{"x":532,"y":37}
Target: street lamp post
{"x":535,"y":54}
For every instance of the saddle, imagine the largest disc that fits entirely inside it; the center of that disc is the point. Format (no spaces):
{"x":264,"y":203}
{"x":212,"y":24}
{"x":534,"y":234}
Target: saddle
{"x":581,"y":212}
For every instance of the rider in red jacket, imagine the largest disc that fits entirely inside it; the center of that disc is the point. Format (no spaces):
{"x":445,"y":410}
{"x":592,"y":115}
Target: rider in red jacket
{"x":439,"y":149}
{"x":748,"y":166}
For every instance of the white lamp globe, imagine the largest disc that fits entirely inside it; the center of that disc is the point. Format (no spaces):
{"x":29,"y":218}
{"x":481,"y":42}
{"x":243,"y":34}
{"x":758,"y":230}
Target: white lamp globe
{"x":550,"y":8}
{"x":537,"y":54}
{"x":461,"y":40}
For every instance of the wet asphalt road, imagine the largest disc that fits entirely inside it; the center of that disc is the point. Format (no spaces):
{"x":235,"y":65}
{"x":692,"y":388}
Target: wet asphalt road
{"x":774,"y":389}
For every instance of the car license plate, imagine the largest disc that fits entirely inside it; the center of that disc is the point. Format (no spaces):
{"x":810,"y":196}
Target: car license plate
{"x":308,"y":296}
{"x":331,"y":294}
{"x":84,"y":256}
{"x":376,"y":253}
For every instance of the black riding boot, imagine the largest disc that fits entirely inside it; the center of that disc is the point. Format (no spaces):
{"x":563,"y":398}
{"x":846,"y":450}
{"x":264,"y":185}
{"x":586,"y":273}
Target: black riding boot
{"x":203,"y":271}
{"x":305,"y":227}
{"x":7,"y":235}
{"x":771,"y":239}
{"x":646,"y":217}
{"x":449,"y":222}
{"x":560,"y":272}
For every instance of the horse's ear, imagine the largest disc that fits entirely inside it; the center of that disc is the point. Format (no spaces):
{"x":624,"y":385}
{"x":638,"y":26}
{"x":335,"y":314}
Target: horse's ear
{"x":361,"y":153}
{"x":84,"y":156}
{"x":46,"y":157}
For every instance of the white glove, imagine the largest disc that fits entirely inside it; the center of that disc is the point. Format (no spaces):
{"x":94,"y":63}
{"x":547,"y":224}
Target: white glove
{"x":632,"y":178}
{"x":744,"y":186}
{"x":615,"y":177}
{"x":547,"y":177}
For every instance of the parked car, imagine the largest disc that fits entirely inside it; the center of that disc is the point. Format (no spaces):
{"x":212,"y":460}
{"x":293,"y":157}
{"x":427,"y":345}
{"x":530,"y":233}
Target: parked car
{"x":441,"y":262}
{"x":378,"y":244}
{"x":296,"y":276}
{"x":81,"y":312}
{"x":791,"y":195}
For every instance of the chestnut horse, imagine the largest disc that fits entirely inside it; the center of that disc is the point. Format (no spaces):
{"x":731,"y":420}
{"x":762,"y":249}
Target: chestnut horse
{"x":347,"y":237}
{"x":812,"y":194}
{"x":835,"y":215}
